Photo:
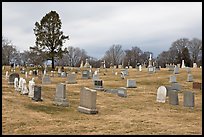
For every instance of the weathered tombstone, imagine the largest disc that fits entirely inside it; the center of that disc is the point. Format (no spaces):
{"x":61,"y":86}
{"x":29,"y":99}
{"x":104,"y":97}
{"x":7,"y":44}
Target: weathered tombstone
{"x":131,"y":83}
{"x":161,"y":94}
{"x":87,"y":101}
{"x":87,"y":65}
{"x":16,"y":84}
{"x":24,"y":90}
{"x":175,"y":86}
{"x":12,"y":76}
{"x":46,"y":79}
{"x":172,"y":79}
{"x":64,"y":74}
{"x":82,"y":64}
{"x":31,"y":85}
{"x":37,"y":93}
{"x":7,"y":75}
{"x":85,"y":74}
{"x":114,"y":91}
{"x":195,"y":65}
{"x":188,"y":99}
{"x":183,"y":64}
{"x":125,"y":72}
{"x":171,"y":67}
{"x":122,"y":92}
{"x":150,"y":69}
{"x":176,"y":70}
{"x":60,"y":96}
{"x":95,"y":77}
{"x":140,"y":67}
{"x":173,"y":97}
{"x":71,"y":79}
{"x":197,"y":85}
{"x":20,"y":84}
{"x":190,"y":78}
{"x":98,"y":84}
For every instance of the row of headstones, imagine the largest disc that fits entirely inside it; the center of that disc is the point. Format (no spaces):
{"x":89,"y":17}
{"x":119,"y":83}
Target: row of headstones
{"x":163,"y":93}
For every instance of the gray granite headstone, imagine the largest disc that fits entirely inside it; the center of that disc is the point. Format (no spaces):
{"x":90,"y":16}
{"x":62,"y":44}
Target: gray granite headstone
{"x":176,"y":70}
{"x":12,"y":77}
{"x":60,"y":97}
{"x":172,"y":79}
{"x":173,"y":97}
{"x":37,"y":93}
{"x":122,"y":92}
{"x":131,"y":83}
{"x":176,"y":86}
{"x":189,"y":78}
{"x":46,"y":79}
{"x":71,"y":79}
{"x":95,"y":77}
{"x":85,"y":74}
{"x":150,"y":69}
{"x":114,"y":91}
{"x":87,"y":101}
{"x":168,"y":88}
{"x":188,"y":99}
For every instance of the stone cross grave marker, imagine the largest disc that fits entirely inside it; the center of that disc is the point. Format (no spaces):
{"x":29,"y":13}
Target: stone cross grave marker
{"x":60,"y":96}
{"x":87,"y":101}
{"x":161,"y":94}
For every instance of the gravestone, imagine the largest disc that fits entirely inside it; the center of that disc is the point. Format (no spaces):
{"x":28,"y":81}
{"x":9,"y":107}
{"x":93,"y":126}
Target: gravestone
{"x":161,"y":94}
{"x":59,"y":71}
{"x":150,"y":69}
{"x":183,"y":64}
{"x":71,"y":79}
{"x":172,"y":79}
{"x":168,"y":89}
{"x":176,"y":70}
{"x":16,"y":84}
{"x":197,"y":85}
{"x":140,"y":68}
{"x":52,"y":73}
{"x":188,"y":99}
{"x":12,"y":76}
{"x":87,"y":101}
{"x":85,"y":74}
{"x":95,"y":76}
{"x":46,"y":79}
{"x":122,"y":92}
{"x":60,"y":96}
{"x":87,"y":65}
{"x":26,"y":74}
{"x":131,"y":83}
{"x":175,"y":86}
{"x":24,"y":90}
{"x":120,"y":66}
{"x":195,"y":65}
{"x":20,"y":84}
{"x":37,"y":93}
{"x":171,"y":67}
{"x":125,"y":72}
{"x":31,"y":85}
{"x":63,"y":74}
{"x":178,"y":65}
{"x":173,"y":97}
{"x":98,"y":85}
{"x":7,"y":75}
{"x":189,"y":78}
{"x":122,"y":75}
{"x":114,"y":91}
{"x":30,"y":72}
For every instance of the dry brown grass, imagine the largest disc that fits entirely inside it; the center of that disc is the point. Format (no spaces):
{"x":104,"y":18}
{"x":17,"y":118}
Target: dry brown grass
{"x":139,"y":113}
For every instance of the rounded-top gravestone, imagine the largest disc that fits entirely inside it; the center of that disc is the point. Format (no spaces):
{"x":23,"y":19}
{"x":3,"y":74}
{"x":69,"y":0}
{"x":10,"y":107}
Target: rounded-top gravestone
{"x":161,"y":94}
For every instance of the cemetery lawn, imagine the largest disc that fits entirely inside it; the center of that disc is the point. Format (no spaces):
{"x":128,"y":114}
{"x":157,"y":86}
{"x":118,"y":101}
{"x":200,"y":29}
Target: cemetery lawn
{"x":137,"y":114}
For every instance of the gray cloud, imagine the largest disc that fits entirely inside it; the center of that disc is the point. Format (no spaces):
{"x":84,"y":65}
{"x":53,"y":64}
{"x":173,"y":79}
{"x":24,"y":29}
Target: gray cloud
{"x":96,"y":26}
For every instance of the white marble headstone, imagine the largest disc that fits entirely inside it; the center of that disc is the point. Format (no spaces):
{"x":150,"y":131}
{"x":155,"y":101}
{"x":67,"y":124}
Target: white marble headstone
{"x":16,"y":83}
{"x":161,"y":94}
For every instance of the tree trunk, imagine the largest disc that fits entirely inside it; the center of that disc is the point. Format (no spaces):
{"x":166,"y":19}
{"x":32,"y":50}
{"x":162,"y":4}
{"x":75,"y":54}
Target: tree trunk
{"x":53,"y":67}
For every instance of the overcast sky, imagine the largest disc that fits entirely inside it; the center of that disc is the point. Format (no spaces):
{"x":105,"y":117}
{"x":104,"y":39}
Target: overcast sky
{"x":95,"y":26}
